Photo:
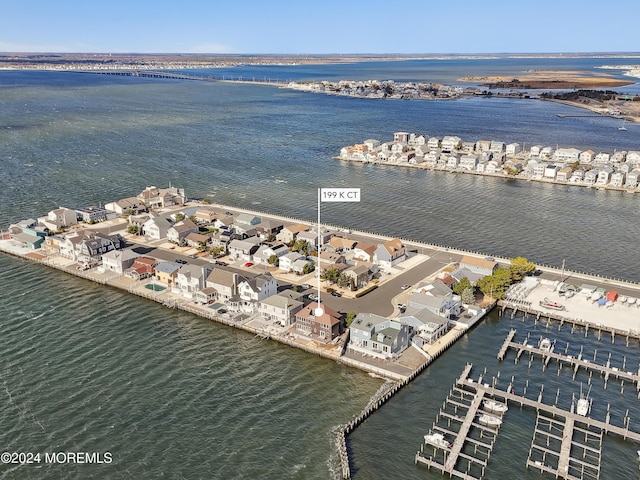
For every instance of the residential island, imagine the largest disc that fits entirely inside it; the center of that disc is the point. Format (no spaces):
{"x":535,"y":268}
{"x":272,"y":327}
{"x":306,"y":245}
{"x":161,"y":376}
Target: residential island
{"x":619,"y":170}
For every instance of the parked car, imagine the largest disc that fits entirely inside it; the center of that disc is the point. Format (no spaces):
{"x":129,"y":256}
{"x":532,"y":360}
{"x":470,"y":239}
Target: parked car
{"x":405,"y":286}
{"x":180,"y":260}
{"x":335,"y":293}
{"x":313,"y":296}
{"x":305,"y":286}
{"x":193,"y":255}
{"x":248,"y":264}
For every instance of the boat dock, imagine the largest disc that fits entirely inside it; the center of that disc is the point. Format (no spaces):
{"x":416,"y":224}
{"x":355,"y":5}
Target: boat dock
{"x":552,"y":449}
{"x":473,"y":442}
{"x":575,"y":362}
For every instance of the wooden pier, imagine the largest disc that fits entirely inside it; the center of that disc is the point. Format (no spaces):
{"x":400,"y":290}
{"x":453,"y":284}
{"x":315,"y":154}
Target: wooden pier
{"x":575,"y":362}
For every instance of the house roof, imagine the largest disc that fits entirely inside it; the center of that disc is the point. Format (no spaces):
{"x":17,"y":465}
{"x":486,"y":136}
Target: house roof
{"x":368,"y":248}
{"x":281,"y":301}
{"x":393,"y":246}
{"x":167,"y":267}
{"x":221,"y":277}
{"x":329,"y":317}
{"x":341,"y":242}
{"x":478,"y":262}
{"x":297,"y":228}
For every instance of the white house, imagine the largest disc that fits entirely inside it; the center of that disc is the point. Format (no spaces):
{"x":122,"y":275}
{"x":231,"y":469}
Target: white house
{"x":286,"y":261}
{"x":156,"y":228}
{"x":390,"y":253}
{"x":190,"y":279}
{"x":450,"y":143}
{"x":587,"y":156}
{"x":257,"y":288}
{"x":118,"y":260}
{"x":280,"y":309}
{"x":513,"y":149}
{"x":617,"y":179}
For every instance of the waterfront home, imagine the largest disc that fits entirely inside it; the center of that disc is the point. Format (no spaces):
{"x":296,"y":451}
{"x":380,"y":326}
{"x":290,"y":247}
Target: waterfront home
{"x":205,"y":216}
{"x":577,"y":176}
{"x":617,"y":179}
{"x":402,"y":137}
{"x":513,"y":149}
{"x":390,"y":253}
{"x":481,"y":166}
{"x":535,"y":151}
{"x":93,"y":245}
{"x":564,"y":174}
{"x":633,"y":177}
{"x":381,"y":337}
{"x":481,"y":266}
{"x":468,"y":147}
{"x":247,"y":221}
{"x":323,"y":327}
{"x":127,"y":206}
{"x":618,"y":157}
{"x":546,"y":152}
{"x":119,"y":260}
{"x":426,"y":326}
{"x":496,"y":147}
{"x":433,"y":143}
{"x":539,"y":167}
{"x":633,"y":157}
{"x":567,"y":155}
{"x":371,"y":144}
{"x":190,"y":279}
{"x":340,"y":244}
{"x":590,"y":177}
{"x":452,"y":162}
{"x":141,"y":268}
{"x":602,"y":158}
{"x":156,"y":227}
{"x":178,"y":232}
{"x":280,"y":309}
{"x":268,"y":229}
{"x":257,"y":288}
{"x":28,"y":236}
{"x":243,"y":249}
{"x":59,"y":219}
{"x":287,"y":260}
{"x":604,"y":176}
{"x":587,"y":156}
{"x":383,"y":156}
{"x":166,"y":272}
{"x":364,"y":251}
{"x":311,"y":237}
{"x":493,"y":167}
{"x":421,"y":150}
{"x":483,"y":146}
{"x":551,"y":171}
{"x":94,"y":214}
{"x":447,"y":305}
{"x":399,"y":147}
{"x":154,"y":197}
{"x":224,"y":222}
{"x":450,"y":143}
{"x":417,"y":140}
{"x":468,"y":162}
{"x":289,"y":233}
{"x":224,"y":282}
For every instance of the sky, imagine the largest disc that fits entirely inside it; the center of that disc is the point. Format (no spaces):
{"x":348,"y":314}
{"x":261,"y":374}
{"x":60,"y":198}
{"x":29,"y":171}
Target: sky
{"x":319,"y":27}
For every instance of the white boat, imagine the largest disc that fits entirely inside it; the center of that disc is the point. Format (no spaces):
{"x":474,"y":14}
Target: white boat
{"x":546,"y":303}
{"x":622,"y":299}
{"x":631,"y":300}
{"x":489,"y":420}
{"x":623,"y":128}
{"x":437,"y":440}
{"x":494,"y":406}
{"x":582,"y":408}
{"x":546,"y":345}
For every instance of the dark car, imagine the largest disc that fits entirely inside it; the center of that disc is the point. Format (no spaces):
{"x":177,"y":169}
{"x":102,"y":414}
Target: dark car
{"x":179,"y":260}
{"x":336,"y":294}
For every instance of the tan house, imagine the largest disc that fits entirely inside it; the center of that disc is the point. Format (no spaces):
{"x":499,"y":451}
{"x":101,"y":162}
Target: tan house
{"x":288,"y":234}
{"x":166,"y":272}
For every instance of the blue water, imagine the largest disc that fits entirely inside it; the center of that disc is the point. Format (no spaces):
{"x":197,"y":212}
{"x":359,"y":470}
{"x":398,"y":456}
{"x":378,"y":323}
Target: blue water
{"x":88,"y":368}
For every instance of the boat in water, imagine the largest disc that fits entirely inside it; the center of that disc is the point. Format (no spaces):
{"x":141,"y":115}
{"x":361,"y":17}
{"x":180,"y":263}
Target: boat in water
{"x":489,"y":420}
{"x":437,"y":440}
{"x":546,"y":303}
{"x":584,"y":405}
{"x":495,"y":407}
{"x":546,"y":345}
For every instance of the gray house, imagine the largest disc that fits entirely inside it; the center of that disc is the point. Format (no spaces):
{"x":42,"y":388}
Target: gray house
{"x":371,"y":334}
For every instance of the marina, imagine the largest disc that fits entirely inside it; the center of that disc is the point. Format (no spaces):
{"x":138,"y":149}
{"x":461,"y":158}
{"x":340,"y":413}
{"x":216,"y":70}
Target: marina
{"x":567,"y":465}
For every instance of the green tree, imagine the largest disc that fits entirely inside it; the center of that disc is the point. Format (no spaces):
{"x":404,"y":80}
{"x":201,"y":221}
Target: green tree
{"x":349,"y":318}
{"x":179,"y":217}
{"x":133,"y":229}
{"x":330,"y":274}
{"x":462,"y":285}
{"x":308,"y":267}
{"x":274,"y":260}
{"x":468,"y":296}
{"x":495,"y":285}
{"x":206,"y":201}
{"x":302,"y":246}
{"x":193,"y":219}
{"x":521,"y":267}
{"x":343,"y":280}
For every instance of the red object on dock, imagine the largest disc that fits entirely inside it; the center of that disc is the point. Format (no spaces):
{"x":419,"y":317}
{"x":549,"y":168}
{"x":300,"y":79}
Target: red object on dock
{"x":612,"y":296}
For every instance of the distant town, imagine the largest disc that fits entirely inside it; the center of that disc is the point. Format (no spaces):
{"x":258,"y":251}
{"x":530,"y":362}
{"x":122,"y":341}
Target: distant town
{"x":618,"y":170}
